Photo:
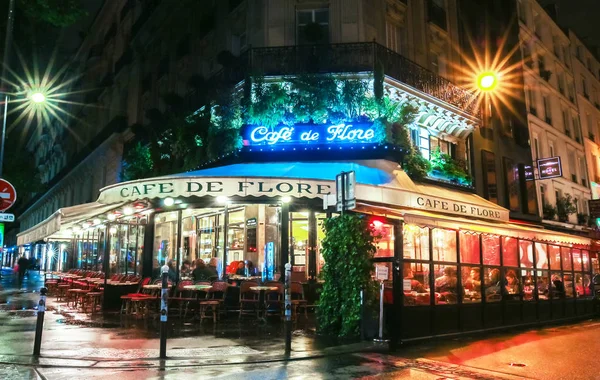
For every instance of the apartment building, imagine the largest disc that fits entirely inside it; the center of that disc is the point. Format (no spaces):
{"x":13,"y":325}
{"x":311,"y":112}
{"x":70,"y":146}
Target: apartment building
{"x":137,"y":52}
{"x":553,"y":112}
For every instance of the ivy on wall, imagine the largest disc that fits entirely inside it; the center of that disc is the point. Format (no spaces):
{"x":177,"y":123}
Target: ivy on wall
{"x":348,"y":248}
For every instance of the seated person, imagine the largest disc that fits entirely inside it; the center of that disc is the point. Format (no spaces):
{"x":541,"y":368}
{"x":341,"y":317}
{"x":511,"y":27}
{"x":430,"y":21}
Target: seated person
{"x":492,"y":284}
{"x":512,"y":285}
{"x":241,"y":269}
{"x":415,"y":285}
{"x":201,"y":272}
{"x":472,"y":284}
{"x":558,"y":290}
{"x":446,"y":285}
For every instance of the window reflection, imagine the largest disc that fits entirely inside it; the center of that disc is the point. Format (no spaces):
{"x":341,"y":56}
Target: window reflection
{"x":445,"y":284}
{"x":493,"y":282}
{"x":491,"y":249}
{"x":471,"y":282}
{"x":416,"y":242}
{"x":444,"y":245}
{"x":469,"y":247}
{"x":415,"y":284}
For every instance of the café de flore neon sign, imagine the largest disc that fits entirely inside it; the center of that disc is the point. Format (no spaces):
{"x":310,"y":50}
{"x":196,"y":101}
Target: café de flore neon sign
{"x":351,"y":133}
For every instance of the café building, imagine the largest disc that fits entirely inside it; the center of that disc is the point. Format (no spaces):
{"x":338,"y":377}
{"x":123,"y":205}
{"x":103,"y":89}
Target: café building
{"x":455,"y":261}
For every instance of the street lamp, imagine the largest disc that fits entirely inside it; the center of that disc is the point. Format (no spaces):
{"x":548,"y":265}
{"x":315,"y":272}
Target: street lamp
{"x":487,"y":81}
{"x":38,"y":97}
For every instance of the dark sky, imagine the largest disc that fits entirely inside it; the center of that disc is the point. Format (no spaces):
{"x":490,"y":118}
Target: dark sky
{"x":583,"y":17}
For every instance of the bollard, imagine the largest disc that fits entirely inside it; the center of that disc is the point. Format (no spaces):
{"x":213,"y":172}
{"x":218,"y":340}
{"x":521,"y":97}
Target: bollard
{"x":381,"y":295}
{"x":288,"y":309}
{"x":362,"y":315}
{"x":39,"y":327}
{"x":164,"y":311}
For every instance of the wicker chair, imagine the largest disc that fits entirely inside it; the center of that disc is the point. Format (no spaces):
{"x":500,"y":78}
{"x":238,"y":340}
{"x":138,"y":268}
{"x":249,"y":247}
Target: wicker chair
{"x":248,"y":298}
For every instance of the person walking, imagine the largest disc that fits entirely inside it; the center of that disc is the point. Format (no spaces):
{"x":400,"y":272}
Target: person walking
{"x":23,"y":264}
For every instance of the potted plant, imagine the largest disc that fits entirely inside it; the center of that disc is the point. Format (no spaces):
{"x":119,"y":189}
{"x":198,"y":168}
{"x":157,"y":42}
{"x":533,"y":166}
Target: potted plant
{"x":582,"y":219}
{"x":565,"y":207}
{"x":549,"y":211}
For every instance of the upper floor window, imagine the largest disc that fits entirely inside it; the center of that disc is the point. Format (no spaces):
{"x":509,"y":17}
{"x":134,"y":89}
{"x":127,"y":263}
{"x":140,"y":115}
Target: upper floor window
{"x":436,"y":12}
{"x":394,"y":36}
{"x":312,"y":26}
{"x":584,"y":87}
{"x":489,"y":176}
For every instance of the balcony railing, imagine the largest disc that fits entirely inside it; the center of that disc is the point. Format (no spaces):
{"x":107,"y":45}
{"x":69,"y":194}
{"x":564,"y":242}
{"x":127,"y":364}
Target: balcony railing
{"x":348,"y":58}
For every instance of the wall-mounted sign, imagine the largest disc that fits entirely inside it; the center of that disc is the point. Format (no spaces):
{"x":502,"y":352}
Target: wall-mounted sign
{"x":251,"y":223}
{"x":594,"y":205}
{"x":529,"y":175}
{"x":353,"y":133}
{"x":549,"y":167}
{"x":8,"y":195}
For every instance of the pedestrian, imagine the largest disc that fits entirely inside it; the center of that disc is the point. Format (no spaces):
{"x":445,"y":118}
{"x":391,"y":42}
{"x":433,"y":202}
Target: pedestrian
{"x":23,"y":264}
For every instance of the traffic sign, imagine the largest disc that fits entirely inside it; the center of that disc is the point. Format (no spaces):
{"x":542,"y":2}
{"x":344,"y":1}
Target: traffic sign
{"x":4,"y":217}
{"x":8,"y":195}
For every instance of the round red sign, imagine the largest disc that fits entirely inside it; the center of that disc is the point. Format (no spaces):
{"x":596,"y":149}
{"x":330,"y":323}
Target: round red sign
{"x":8,"y":195}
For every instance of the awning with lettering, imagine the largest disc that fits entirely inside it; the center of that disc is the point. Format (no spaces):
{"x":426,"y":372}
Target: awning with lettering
{"x":56,"y":225}
{"x":377,"y":181}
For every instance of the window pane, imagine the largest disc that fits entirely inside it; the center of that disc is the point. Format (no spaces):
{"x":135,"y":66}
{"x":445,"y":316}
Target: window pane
{"x":580,"y":288}
{"x":528,"y":281}
{"x":585,"y":258}
{"x":471,"y":282}
{"x":526,"y":253}
{"x":509,"y":252}
{"x":469,"y":247}
{"x":568,"y":277}
{"x":542,"y":256}
{"x":444,"y":245}
{"x":558,"y":286}
{"x":493,"y":282}
{"x":577,"y":260}
{"x":385,"y":239}
{"x":566,"y":258}
{"x":304,"y":17}
{"x":512,"y":284}
{"x":416,"y":242}
{"x":445,"y":284}
{"x":489,"y":176}
{"x":491,"y":249}
{"x":554,"y":256}
{"x":415,"y":284}
{"x":543,"y":285}
{"x":586,"y":290}
{"x":511,"y":173}
{"x":322,"y":16}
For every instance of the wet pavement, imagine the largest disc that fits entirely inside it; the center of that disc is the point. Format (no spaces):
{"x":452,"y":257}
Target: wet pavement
{"x":77,"y":345}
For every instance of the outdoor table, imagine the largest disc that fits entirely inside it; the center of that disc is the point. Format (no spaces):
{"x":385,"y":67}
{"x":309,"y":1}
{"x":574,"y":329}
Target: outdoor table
{"x":113,"y":292}
{"x":261,"y":299}
{"x":198,"y":288}
{"x":152,"y":286}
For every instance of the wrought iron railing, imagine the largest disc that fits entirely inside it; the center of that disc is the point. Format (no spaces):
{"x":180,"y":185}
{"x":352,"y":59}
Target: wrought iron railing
{"x":348,"y":58}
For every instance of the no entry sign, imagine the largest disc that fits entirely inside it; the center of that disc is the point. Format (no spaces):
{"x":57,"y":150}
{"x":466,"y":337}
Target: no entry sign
{"x":8,"y":195}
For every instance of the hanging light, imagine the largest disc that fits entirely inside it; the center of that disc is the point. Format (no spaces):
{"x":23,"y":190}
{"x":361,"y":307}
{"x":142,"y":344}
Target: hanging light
{"x":286,"y":199}
{"x":222,"y":199}
{"x":169,"y":201}
{"x":111,"y":217}
{"x":128,"y":210}
{"x":97,"y":221}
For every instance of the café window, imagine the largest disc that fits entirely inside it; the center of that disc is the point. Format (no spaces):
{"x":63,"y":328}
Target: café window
{"x":526,"y":253}
{"x":528,"y":285}
{"x":512,"y":284}
{"x":491,"y":249}
{"x":577,"y":260}
{"x":384,"y":241}
{"x":566,"y":258}
{"x":542,"y":256}
{"x":509,"y":252}
{"x":416,"y":242}
{"x":469,"y":247}
{"x":415,"y":284}
{"x":471,"y":283}
{"x":444,"y":245}
{"x":299,"y":229}
{"x":554,"y":257}
{"x":446,"y":284}
{"x":543,"y":285}
{"x":493,"y":282}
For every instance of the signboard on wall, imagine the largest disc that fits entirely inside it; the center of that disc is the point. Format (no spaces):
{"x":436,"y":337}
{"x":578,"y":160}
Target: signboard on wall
{"x":549,"y":167}
{"x":529,"y":175}
{"x":594,"y":205}
{"x":313,"y":134}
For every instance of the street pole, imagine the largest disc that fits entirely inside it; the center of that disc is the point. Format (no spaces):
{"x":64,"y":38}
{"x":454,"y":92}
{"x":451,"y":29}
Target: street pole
{"x":164,"y":311}
{"x":5,"y":62}
{"x":39,"y":327}
{"x":288,"y":309}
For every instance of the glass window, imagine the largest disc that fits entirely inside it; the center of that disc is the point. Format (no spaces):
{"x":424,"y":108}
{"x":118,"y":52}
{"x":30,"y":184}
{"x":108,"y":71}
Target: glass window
{"x":415,"y":284}
{"x":586,"y":289}
{"x":493,"y":282}
{"x":585,"y":260}
{"x":554,"y":256}
{"x":489,"y":176}
{"x":543,"y":285}
{"x":526,"y":253}
{"x":444,"y":245}
{"x":312,"y":26}
{"x":577,"y":260}
{"x":509,"y":252}
{"x":299,"y":243}
{"x":511,"y":174}
{"x":165,"y":242}
{"x":385,"y":239}
{"x":471,"y":283}
{"x":416,"y":242}
{"x":491,"y":249}
{"x":445,"y":284}
{"x":320,"y":236}
{"x":541,"y":255}
{"x":512,"y":284}
{"x":568,"y":278}
{"x":566,"y":258}
{"x":580,"y":290}
{"x":557,"y":286}
{"x":528,"y":285}
{"x":469,"y":247}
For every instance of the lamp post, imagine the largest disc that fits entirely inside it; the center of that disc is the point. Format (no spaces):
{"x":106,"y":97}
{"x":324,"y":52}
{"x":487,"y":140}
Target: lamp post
{"x":487,"y":81}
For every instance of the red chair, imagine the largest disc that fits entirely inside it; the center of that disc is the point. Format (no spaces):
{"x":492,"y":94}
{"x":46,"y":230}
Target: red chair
{"x":128,"y":298}
{"x":248,"y":297}
{"x":182,"y":297}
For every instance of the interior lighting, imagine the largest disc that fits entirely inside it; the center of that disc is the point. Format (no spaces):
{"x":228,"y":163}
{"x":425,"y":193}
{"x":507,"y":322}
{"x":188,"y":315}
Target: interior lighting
{"x":111,"y":217}
{"x":128,"y":210}
{"x":97,"y":221}
{"x":487,"y":81}
{"x":286,"y":199}
{"x":169,"y":202}
{"x":113,"y":230}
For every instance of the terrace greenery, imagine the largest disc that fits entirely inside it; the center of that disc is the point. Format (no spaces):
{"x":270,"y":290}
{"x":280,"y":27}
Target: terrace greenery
{"x":180,"y":137}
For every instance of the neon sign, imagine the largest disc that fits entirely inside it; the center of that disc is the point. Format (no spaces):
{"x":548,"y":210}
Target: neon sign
{"x":356,"y":133}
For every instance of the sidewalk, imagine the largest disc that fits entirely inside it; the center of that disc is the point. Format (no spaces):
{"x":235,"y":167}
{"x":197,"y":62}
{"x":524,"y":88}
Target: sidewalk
{"x":78,"y":340}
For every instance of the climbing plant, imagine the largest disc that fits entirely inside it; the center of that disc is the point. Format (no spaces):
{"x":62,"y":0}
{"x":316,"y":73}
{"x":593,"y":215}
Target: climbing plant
{"x":449,"y":168}
{"x":348,"y":248}
{"x":137,"y":163}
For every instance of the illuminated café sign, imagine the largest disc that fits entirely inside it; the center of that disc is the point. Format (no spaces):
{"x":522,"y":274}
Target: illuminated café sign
{"x":549,"y":167}
{"x":351,"y":133}
{"x":452,"y":207}
{"x":529,"y":176}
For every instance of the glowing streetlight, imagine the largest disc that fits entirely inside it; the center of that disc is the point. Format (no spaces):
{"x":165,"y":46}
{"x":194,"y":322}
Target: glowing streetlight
{"x":487,"y":81}
{"x":38,"y":97}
